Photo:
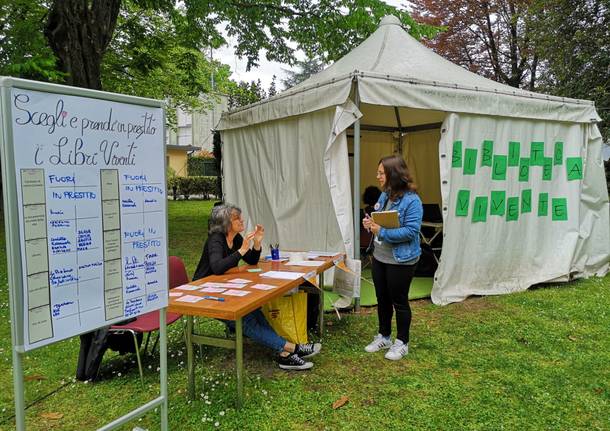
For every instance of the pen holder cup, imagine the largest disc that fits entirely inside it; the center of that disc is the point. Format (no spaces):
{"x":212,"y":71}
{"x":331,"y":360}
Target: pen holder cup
{"x":275,"y":254}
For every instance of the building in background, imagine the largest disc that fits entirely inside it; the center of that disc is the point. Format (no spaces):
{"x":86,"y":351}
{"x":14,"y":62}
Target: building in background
{"x":193,"y":133}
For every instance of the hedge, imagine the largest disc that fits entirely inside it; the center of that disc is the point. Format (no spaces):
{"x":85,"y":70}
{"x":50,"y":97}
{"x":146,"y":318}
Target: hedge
{"x":200,"y":166}
{"x":187,"y":186}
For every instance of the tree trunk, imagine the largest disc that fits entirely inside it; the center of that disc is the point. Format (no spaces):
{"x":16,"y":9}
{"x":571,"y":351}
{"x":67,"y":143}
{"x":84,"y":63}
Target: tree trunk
{"x":79,"y":32}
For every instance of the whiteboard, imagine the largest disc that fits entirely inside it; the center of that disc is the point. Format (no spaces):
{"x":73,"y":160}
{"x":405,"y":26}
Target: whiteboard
{"x":91,"y":203}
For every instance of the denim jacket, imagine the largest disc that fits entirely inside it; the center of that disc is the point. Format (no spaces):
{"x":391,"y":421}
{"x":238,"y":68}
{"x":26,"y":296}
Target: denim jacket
{"x":404,"y":239}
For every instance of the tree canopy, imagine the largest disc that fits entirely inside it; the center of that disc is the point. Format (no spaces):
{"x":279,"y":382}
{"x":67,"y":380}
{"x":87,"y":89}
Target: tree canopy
{"x":559,"y":47}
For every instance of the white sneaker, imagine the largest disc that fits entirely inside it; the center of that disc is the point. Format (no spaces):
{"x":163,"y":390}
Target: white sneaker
{"x":397,"y":351}
{"x":378,"y":343}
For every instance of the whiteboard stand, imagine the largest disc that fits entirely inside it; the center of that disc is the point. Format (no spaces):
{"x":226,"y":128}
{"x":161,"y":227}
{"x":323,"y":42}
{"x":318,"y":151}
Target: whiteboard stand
{"x":15,"y":263}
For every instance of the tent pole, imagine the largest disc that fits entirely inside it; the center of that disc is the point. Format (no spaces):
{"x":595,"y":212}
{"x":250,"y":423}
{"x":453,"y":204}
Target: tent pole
{"x":357,"y":187}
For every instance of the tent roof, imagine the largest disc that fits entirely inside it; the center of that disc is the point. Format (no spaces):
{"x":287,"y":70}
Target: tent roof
{"x":393,"y":69}
{"x":390,"y":50}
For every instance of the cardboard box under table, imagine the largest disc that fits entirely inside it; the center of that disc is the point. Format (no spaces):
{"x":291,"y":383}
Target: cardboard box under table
{"x":236,"y":307}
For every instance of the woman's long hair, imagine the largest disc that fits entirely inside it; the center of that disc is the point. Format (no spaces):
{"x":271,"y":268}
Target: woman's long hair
{"x":398,"y":180}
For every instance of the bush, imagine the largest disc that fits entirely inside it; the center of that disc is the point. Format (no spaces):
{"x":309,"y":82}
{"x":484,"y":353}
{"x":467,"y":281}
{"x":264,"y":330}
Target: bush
{"x":187,"y":186}
{"x":201,"y":166}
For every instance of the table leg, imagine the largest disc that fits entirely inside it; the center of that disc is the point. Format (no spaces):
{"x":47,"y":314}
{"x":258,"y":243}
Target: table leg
{"x":321,"y":307}
{"x":239,"y":361}
{"x":190,"y":360}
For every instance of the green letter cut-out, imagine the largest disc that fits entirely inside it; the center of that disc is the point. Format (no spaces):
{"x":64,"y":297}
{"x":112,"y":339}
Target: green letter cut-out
{"x":512,"y":208}
{"x":543,"y":204}
{"x":498,"y":203}
{"x":547,"y":169}
{"x":463,"y":199}
{"x":470,"y":161}
{"x":524,"y":170}
{"x":537,"y":154}
{"x":479,"y":212}
{"x":514,"y":152}
{"x":456,"y":159}
{"x":559,"y":209}
{"x":558,"y":154}
{"x":499,"y":168}
{"x":574,"y":168}
{"x":526,"y":201}
{"x":487,"y":153}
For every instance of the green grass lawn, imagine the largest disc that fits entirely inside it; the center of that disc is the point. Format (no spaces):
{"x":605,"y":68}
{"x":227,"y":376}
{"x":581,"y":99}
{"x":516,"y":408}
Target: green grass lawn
{"x":535,"y":360}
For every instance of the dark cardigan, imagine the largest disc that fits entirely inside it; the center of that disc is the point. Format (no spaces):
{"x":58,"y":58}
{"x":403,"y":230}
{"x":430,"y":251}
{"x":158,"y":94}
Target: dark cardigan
{"x":217,"y":258}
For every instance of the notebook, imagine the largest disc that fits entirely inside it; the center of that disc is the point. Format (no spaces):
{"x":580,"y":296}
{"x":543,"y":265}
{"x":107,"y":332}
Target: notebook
{"x":387,"y":219}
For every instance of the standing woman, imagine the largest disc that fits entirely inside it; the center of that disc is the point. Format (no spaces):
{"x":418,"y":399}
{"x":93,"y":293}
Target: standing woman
{"x":395,"y":255}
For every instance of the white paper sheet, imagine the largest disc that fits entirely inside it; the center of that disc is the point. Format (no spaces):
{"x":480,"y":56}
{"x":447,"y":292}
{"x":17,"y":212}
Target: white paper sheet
{"x":212,"y":290}
{"x":314,"y":263}
{"x":239,"y":281}
{"x":261,"y":286}
{"x":314,"y":254}
{"x":283,"y":275}
{"x":232,"y":292}
{"x":187,"y":287}
{"x":189,"y":298}
{"x":225,"y":285}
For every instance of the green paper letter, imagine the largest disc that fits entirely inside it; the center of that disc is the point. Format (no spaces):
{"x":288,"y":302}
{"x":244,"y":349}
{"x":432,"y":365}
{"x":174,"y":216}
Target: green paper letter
{"x":558,"y":154}
{"x":537,"y":154}
{"x":470,"y":161}
{"x":498,"y":203}
{"x":574,"y":168}
{"x":486,"y":153}
{"x":559,"y":208}
{"x":526,"y":201}
{"x":456,"y":160}
{"x":499,"y":168}
{"x":479,"y":213}
{"x":524,"y":170}
{"x":463,"y":199}
{"x":547,"y":169}
{"x":543,"y":204}
{"x":514,"y":152}
{"x":512,"y":208}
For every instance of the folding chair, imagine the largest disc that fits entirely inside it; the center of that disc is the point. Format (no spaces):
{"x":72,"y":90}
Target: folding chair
{"x":432,"y":227}
{"x":149,"y":322}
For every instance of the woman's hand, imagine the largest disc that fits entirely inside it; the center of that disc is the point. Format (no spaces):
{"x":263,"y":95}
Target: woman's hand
{"x":246,"y":244}
{"x":374,"y":227}
{"x":259,"y":234}
{"x":370,"y":225}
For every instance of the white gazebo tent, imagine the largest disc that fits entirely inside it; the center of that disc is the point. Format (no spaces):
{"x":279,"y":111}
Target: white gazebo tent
{"x":518,"y":175}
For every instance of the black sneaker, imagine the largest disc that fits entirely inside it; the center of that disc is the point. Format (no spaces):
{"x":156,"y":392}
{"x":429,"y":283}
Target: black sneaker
{"x":293,"y":362}
{"x":308,"y":350}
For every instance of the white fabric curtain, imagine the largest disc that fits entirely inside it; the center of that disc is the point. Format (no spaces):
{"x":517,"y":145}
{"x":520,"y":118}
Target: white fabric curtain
{"x":496,"y":255}
{"x":292,"y":176}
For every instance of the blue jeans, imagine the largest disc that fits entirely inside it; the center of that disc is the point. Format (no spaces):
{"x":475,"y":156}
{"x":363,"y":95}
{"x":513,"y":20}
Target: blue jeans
{"x":257,"y":328}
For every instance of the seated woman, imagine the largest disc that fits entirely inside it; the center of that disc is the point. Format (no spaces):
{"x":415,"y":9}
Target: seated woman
{"x":223,"y":250}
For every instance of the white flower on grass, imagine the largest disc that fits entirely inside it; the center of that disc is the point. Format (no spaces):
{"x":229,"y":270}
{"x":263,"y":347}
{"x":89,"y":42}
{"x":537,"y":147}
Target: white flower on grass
{"x":216,"y":423}
{"x":119,"y":374}
{"x":222,"y":413}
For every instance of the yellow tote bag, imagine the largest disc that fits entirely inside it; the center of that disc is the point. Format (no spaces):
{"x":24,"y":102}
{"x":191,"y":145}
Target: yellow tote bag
{"x":287,"y":315}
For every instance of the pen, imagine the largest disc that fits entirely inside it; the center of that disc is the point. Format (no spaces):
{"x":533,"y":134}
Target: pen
{"x":214,"y":298}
